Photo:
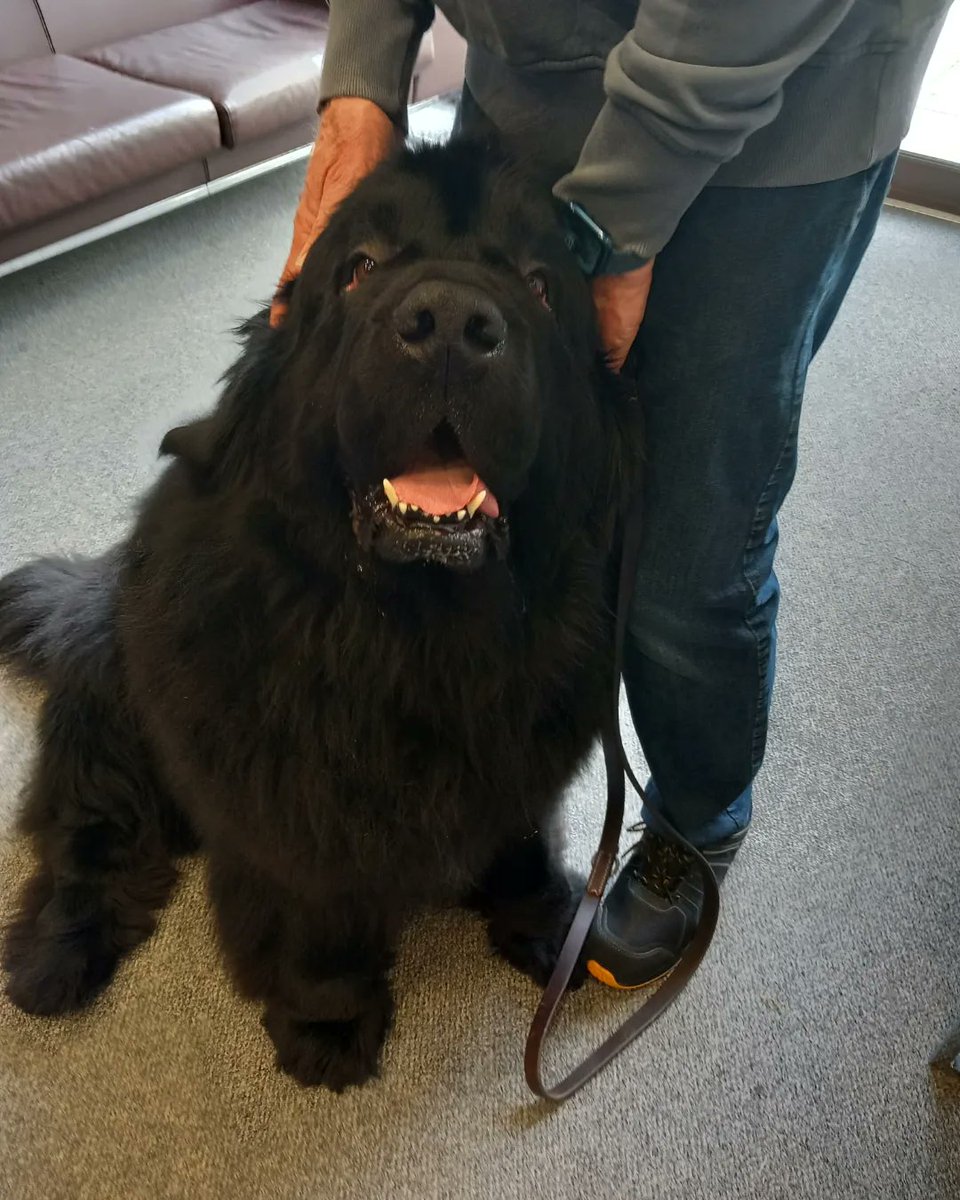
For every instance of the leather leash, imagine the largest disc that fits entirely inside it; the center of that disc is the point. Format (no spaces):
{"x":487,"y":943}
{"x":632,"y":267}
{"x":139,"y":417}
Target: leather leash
{"x":617,"y":767}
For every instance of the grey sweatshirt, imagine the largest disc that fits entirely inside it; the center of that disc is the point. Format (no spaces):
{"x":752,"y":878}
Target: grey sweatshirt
{"x":631,"y":111}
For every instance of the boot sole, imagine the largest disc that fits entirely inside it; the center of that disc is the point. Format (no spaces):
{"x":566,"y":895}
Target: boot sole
{"x":606,"y":977}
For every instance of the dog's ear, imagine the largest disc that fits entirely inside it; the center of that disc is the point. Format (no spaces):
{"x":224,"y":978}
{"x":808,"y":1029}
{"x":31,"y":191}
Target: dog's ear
{"x":192,"y":444}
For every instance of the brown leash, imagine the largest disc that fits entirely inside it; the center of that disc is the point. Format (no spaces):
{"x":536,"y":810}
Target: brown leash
{"x":617,"y":768}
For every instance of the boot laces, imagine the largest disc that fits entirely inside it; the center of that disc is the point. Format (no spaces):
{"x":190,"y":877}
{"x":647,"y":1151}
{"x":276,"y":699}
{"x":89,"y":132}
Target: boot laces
{"x":658,"y":863}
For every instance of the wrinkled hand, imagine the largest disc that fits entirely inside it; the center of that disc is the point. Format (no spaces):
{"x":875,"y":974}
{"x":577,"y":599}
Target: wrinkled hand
{"x":354,"y":137}
{"x":621,"y":301}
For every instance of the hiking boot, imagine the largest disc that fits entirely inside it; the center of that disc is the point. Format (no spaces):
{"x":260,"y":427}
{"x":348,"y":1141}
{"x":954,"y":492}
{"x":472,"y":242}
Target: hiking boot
{"x":650,"y":913}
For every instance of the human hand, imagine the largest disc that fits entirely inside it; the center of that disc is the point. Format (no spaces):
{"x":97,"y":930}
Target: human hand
{"x":621,"y":301}
{"x":354,"y":137}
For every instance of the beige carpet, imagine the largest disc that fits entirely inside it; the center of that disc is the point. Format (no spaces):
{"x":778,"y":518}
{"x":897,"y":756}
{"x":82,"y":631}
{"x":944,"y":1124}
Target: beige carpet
{"x":796,"y":1064}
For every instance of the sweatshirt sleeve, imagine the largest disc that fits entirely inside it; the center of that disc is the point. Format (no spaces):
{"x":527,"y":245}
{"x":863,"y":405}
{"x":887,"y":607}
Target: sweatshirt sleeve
{"x":371,"y":49}
{"x":684,"y":90}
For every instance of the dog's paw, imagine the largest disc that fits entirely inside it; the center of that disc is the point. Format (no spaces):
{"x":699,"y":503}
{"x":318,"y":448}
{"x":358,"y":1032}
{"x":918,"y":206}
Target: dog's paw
{"x":534,"y":955}
{"x":530,"y":934}
{"x":331,"y":1054}
{"x":48,"y":975}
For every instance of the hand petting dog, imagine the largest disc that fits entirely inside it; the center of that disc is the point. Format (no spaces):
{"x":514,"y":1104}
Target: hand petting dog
{"x":354,"y":137}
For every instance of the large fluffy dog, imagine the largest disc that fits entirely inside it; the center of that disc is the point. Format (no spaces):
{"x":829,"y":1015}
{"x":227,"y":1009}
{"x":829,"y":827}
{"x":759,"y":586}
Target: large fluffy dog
{"x":359,"y":637}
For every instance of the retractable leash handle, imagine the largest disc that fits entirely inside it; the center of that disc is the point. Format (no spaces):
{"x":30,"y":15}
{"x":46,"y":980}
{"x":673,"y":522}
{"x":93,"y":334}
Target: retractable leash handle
{"x":617,"y":768}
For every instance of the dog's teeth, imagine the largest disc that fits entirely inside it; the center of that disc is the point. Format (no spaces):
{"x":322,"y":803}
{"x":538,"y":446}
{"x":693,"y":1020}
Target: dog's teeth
{"x":414,"y":507}
{"x":403,"y":508}
{"x":461,"y":514}
{"x":436,"y":520}
{"x":391,"y":493}
{"x":476,"y":502}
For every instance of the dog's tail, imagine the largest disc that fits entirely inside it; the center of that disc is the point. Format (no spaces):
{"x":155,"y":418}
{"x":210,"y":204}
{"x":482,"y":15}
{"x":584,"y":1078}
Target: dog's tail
{"x":56,"y":615}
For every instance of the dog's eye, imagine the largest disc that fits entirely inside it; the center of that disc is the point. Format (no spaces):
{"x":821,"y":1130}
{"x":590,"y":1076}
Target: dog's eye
{"x":538,"y":285}
{"x":361,"y":269}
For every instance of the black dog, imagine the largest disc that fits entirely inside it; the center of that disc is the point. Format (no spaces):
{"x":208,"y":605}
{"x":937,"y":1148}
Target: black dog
{"x":359,"y":638}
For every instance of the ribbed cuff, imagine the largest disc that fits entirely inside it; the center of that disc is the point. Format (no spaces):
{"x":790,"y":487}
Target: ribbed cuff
{"x":371,"y":50}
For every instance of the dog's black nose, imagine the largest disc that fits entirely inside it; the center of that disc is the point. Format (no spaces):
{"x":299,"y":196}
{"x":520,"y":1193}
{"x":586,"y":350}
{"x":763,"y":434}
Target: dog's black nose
{"x":437,"y":315}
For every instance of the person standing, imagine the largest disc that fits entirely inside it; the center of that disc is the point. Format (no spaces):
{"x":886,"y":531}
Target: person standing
{"x":723,"y":164}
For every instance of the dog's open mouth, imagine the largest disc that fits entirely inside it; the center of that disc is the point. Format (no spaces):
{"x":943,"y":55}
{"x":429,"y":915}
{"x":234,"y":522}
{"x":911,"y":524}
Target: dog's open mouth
{"x":438,"y":511}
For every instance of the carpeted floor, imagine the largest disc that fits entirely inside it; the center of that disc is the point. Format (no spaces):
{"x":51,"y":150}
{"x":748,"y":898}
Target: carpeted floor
{"x":796,"y":1064}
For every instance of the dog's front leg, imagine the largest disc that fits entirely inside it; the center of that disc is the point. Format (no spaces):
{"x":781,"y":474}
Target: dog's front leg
{"x":321,"y":965}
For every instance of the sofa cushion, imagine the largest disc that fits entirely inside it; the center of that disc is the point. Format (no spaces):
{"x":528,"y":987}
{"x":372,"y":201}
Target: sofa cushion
{"x":77,"y":25}
{"x":70,"y":132}
{"x":22,"y":31}
{"x":259,"y":64}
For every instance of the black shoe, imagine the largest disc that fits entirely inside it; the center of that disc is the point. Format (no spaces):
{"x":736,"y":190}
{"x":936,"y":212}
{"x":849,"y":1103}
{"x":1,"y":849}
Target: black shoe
{"x":649,"y":914}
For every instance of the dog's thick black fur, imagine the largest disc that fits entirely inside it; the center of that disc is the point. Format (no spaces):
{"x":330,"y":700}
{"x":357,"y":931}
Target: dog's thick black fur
{"x":355,"y":714}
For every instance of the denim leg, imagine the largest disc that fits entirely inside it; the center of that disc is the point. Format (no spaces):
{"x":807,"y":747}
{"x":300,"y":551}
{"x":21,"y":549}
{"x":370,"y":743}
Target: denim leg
{"x":742,"y":297}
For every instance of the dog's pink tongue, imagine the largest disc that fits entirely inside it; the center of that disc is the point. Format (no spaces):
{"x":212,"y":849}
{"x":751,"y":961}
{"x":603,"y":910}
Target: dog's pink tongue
{"x":444,"y":488}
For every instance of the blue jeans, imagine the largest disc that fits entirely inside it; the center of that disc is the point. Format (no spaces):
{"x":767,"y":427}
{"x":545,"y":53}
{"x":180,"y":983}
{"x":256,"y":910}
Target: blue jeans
{"x":743,"y":295}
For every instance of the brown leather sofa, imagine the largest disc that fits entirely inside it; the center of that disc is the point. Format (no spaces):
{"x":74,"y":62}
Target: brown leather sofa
{"x":112,"y":111}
